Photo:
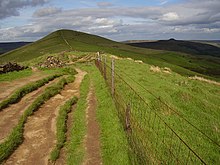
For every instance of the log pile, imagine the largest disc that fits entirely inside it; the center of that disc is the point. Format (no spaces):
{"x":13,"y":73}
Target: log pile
{"x":10,"y":67}
{"x":51,"y":62}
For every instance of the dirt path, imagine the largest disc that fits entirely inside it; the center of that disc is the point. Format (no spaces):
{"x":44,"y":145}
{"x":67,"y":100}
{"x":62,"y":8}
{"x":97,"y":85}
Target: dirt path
{"x":7,"y":88}
{"x":92,"y":142}
{"x":63,"y":153}
{"x":11,"y":115}
{"x":40,"y":129}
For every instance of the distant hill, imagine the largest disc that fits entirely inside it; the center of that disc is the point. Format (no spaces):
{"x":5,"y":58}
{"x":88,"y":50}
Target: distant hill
{"x":210,"y":42}
{"x":69,"y":40}
{"x":8,"y":46}
{"x":195,"y":48}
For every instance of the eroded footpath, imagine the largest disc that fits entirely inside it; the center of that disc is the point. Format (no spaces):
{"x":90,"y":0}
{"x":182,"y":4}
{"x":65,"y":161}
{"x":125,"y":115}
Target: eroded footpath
{"x":40,"y":129}
{"x":11,"y":115}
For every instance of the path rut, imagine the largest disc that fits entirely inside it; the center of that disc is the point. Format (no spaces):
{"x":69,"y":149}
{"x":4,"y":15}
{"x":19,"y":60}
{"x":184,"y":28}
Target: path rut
{"x":11,"y":115}
{"x":7,"y":88}
{"x":40,"y":129}
{"x":92,"y":139}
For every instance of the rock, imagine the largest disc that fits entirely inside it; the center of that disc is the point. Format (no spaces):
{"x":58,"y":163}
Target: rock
{"x":10,"y":67}
{"x":51,"y":62}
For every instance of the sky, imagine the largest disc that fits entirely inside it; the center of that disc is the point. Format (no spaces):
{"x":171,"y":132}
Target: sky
{"x":119,"y":20}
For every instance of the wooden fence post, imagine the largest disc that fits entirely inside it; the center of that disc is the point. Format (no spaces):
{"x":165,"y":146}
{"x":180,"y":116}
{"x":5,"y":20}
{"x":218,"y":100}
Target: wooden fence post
{"x":127,"y":118}
{"x":98,"y":57}
{"x":113,"y":76}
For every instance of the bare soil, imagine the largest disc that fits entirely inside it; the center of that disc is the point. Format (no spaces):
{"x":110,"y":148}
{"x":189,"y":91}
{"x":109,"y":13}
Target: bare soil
{"x":63,"y":153}
{"x":11,"y":115}
{"x":40,"y":129}
{"x":92,"y":139}
{"x":7,"y":88}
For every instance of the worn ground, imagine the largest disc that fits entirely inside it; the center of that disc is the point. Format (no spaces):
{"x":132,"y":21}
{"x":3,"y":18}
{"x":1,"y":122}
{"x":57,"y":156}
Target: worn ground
{"x":40,"y":129}
{"x":92,"y":138}
{"x":11,"y":115}
{"x":7,"y":88}
{"x":63,"y":153}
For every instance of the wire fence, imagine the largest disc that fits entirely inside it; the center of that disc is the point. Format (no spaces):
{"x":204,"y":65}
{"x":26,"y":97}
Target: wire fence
{"x":151,"y":139}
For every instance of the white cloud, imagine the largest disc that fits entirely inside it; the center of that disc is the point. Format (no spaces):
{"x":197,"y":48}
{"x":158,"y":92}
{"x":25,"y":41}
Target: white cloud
{"x":163,"y":2}
{"x":191,"y":19}
{"x":171,"y":16}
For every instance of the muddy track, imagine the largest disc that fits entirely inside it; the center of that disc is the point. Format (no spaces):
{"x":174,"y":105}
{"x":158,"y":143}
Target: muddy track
{"x":92,"y":138}
{"x":40,"y":129}
{"x":11,"y":115}
{"x":7,"y":88}
{"x":63,"y":153}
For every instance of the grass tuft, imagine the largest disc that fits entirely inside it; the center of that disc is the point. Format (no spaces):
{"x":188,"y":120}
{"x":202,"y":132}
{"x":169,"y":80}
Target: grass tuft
{"x":62,"y":127}
{"x":10,"y":76}
{"x":114,"y":145}
{"x":75,"y":147}
{"x":16,"y":136}
{"x":21,"y":92}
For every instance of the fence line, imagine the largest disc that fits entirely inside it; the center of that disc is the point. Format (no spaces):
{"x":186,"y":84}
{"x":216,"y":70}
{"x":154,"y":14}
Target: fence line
{"x":151,"y":139}
{"x":177,"y":113}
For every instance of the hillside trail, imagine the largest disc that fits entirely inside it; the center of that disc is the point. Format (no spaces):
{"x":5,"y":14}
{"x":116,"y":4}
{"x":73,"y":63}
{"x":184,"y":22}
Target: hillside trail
{"x":40,"y":128}
{"x":7,"y":88}
{"x":11,"y":115}
{"x":63,"y":152}
{"x":92,"y":138}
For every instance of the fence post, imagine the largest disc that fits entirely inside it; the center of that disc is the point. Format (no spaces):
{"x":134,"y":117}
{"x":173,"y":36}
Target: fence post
{"x":127,"y":118}
{"x":113,"y":78}
{"x":105,"y":68}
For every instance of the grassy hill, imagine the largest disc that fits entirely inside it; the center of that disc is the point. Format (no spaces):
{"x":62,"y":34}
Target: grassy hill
{"x":194,"y":48}
{"x":68,"y":40}
{"x":161,"y":102}
{"x":8,"y":46}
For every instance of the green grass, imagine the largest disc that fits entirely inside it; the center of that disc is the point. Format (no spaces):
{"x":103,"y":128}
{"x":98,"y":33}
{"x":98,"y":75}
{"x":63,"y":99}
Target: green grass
{"x":62,"y":127}
{"x":16,"y":136}
{"x":75,"y":147}
{"x":21,"y":92}
{"x":184,"y":64}
{"x":10,"y":76}
{"x":196,"y":101}
{"x":114,"y":147}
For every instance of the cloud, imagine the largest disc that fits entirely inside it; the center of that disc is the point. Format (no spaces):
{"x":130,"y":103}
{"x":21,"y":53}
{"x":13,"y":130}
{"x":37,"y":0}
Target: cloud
{"x":104,"y":4}
{"x":171,"y":16}
{"x":46,"y":11}
{"x":163,"y":2}
{"x":190,"y":19}
{"x":11,"y":7}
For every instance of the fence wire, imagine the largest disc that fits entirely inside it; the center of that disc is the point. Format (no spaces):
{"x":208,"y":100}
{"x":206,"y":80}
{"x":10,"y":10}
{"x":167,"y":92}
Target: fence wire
{"x":151,"y":139}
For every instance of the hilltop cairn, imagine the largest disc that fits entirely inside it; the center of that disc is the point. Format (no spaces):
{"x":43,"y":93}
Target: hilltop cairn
{"x":51,"y":62}
{"x":10,"y":67}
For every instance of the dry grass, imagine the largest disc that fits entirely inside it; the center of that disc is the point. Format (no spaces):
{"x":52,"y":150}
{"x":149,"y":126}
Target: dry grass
{"x":155,"y":69}
{"x":130,"y":59}
{"x":115,"y":57}
{"x":204,"y":80}
{"x":139,"y":61}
